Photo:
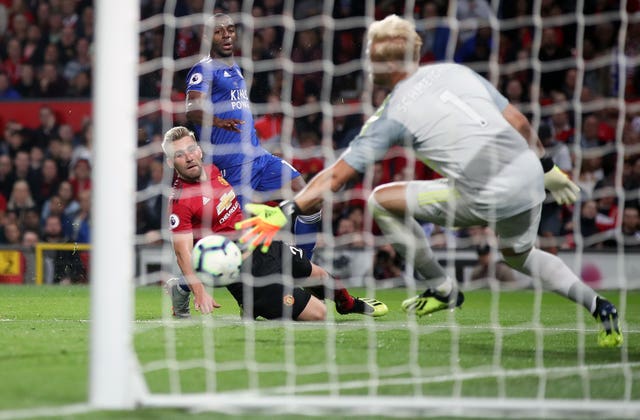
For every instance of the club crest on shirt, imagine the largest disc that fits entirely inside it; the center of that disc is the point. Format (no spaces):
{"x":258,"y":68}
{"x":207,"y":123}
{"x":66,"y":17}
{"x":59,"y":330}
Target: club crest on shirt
{"x":195,"y":79}
{"x":288,"y":300}
{"x":223,"y":181}
{"x":174,"y":221}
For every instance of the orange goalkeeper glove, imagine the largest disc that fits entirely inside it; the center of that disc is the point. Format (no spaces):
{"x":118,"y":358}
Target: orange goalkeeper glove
{"x":266,"y":223}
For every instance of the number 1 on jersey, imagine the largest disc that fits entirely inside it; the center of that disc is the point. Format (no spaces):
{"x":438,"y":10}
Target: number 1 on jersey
{"x":450,"y":98}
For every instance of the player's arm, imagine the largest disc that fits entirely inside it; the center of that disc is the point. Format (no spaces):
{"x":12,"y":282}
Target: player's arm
{"x":268,"y":221}
{"x":196,"y":110}
{"x":563,"y":190}
{"x":182,"y":245}
{"x":521,"y":124}
{"x":333,"y":178}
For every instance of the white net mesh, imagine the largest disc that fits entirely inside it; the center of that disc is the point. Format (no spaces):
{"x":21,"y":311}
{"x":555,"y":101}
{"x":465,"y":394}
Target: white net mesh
{"x":571,"y":68}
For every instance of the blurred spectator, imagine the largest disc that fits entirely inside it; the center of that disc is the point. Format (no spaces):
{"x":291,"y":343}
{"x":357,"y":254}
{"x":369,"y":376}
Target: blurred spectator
{"x":33,"y":50}
{"x":80,"y":85}
{"x":7,"y":92}
{"x":20,"y":200}
{"x":55,"y":207}
{"x":50,"y":83}
{"x":85,"y":27}
{"x":63,"y":267}
{"x":435,"y":36}
{"x":558,"y":151}
{"x":31,"y":220}
{"x":152,"y":207}
{"x":515,"y":92}
{"x":11,"y":64}
{"x":80,"y":61}
{"x":590,"y":174}
{"x":590,"y":132}
{"x":387,"y":264}
{"x":82,"y":220}
{"x":67,"y":45}
{"x":490,"y":268}
{"x":48,"y":182}
{"x":27,"y":85}
{"x":269,"y":126}
{"x":47,"y":129}
{"x":552,"y":217}
{"x":306,"y":49}
{"x":630,"y":227}
{"x":11,"y":234}
{"x":80,"y":176}
{"x":7,"y":177}
{"x":475,"y":48}
{"x":551,"y":51}
{"x":30,"y":239}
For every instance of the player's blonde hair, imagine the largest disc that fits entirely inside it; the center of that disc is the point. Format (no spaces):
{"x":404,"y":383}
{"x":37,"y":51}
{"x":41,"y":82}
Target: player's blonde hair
{"x":396,"y":39}
{"x":176,"y":133}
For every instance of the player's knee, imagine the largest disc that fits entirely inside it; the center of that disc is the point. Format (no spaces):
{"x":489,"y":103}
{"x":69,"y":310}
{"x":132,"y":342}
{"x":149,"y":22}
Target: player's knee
{"x":515,"y":260}
{"x":373,"y":203}
{"x":314,"y":311}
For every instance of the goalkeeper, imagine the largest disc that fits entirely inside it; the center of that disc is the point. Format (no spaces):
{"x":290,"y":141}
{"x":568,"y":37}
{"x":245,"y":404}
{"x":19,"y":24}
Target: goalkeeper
{"x":494,"y":167}
{"x":203,"y":202}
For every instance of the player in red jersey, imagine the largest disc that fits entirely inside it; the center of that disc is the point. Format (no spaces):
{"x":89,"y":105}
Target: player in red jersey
{"x":202,"y":203}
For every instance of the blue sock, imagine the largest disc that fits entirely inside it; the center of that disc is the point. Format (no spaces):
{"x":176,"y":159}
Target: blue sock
{"x":306,"y":228}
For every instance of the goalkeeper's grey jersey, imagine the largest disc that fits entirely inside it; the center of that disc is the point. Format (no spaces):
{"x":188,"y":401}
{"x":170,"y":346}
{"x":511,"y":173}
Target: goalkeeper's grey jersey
{"x":452,"y":118}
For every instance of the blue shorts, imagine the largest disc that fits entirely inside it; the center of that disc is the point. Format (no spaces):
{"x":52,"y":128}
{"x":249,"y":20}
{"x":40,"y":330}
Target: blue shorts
{"x":268,"y":173}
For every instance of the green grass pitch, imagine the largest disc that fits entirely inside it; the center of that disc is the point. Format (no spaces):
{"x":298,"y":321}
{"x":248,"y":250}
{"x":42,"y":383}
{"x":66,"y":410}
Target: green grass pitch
{"x":488,"y":348}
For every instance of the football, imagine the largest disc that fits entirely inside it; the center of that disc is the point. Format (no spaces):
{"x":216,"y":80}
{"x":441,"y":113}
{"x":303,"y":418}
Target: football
{"x":216,"y":260}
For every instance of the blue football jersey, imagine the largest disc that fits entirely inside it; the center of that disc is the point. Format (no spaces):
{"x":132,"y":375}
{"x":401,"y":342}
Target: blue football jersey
{"x":226,"y":88}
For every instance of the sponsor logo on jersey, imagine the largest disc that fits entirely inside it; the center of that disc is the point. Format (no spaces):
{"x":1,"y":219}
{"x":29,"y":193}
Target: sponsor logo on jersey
{"x":230,"y":213}
{"x":288,"y":300}
{"x":195,"y":79}
{"x":226,"y":201}
{"x":174,"y":221}
{"x":205,"y":200}
{"x":239,"y":99}
{"x":226,"y":74}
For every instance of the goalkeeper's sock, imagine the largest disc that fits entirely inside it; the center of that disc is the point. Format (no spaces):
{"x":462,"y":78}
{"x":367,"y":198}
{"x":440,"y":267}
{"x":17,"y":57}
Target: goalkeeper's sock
{"x":306,"y":228}
{"x":555,"y":276}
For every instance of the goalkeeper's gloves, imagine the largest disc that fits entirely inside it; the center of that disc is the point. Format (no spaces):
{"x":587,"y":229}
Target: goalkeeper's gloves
{"x":266,"y":223}
{"x":563,"y":190}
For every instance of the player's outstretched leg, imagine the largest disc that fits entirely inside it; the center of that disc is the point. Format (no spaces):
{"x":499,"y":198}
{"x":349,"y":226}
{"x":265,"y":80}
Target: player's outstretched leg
{"x":430,"y":301}
{"x":180,"y":298}
{"x":607,"y":314}
{"x":366,"y":306}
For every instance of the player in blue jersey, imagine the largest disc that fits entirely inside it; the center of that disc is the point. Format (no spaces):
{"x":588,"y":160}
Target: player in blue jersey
{"x":218,"y":106}
{"x":494,"y":167}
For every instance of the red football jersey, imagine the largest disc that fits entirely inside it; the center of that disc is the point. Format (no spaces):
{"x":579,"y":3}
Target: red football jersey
{"x":204,"y":207}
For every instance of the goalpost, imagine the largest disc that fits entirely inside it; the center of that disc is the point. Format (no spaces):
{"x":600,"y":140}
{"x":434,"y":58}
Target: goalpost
{"x":118,"y":380}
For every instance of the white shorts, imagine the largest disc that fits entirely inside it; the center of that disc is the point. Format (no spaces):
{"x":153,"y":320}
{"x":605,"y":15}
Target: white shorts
{"x":437,"y":202}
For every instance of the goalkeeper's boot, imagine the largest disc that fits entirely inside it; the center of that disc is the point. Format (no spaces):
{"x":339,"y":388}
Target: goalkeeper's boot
{"x":430,"y":302}
{"x":180,"y":299}
{"x":607,"y":314}
{"x":366,"y":306}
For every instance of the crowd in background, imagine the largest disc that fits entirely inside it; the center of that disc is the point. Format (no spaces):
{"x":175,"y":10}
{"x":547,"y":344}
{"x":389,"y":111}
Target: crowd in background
{"x":47,"y":47}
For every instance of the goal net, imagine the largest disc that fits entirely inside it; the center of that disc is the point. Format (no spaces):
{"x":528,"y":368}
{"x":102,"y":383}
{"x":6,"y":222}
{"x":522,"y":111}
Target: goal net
{"x":520,"y":351}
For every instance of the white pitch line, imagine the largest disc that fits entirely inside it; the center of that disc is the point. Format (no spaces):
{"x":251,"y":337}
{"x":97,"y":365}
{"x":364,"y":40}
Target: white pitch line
{"x":222,"y":321}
